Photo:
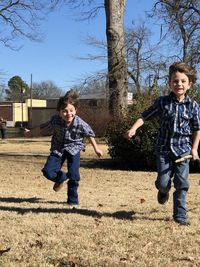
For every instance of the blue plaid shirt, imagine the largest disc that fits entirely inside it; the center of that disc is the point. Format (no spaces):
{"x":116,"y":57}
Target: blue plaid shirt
{"x":64,"y":137}
{"x":177,"y":122}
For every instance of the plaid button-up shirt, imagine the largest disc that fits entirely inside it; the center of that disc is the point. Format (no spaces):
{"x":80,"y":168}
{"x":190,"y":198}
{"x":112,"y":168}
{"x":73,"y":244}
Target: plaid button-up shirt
{"x":178,"y":120}
{"x":66,"y":138}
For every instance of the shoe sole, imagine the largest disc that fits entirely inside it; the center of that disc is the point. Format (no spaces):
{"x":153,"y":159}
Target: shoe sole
{"x":57,"y":187}
{"x":182,"y":223}
{"x":164,"y":200}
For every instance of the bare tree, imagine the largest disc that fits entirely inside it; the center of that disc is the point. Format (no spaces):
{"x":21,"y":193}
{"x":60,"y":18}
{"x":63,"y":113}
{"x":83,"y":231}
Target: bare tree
{"x":139,"y":53}
{"x":46,"y":89}
{"x":117,"y":67}
{"x":182,"y":18}
{"x":2,"y":91}
{"x":21,"y":19}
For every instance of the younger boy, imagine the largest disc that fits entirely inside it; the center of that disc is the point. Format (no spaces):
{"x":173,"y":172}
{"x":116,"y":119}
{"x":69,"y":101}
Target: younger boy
{"x":178,"y":135}
{"x":67,"y":130}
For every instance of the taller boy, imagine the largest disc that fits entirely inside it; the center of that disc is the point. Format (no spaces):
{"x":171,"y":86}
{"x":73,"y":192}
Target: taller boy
{"x":178,"y":135}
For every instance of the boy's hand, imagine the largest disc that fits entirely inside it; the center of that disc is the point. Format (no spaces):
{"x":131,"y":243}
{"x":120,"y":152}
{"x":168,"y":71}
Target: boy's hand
{"x":26,"y":132}
{"x":99,"y":152}
{"x":195,"y":155}
{"x":130,"y":133}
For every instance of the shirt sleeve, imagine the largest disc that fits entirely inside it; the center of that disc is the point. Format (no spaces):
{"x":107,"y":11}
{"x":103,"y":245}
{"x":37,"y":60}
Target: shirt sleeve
{"x":152,"y":111}
{"x":87,"y":130}
{"x":196,"y":118}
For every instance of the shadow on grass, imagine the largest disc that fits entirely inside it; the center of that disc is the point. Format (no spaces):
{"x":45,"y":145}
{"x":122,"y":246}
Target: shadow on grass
{"x":91,"y":163}
{"x":108,"y":164}
{"x":120,"y":215}
{"x":20,"y":200}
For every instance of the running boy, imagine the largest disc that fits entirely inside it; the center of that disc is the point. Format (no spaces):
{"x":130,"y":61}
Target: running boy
{"x":67,"y":130}
{"x":178,"y":135}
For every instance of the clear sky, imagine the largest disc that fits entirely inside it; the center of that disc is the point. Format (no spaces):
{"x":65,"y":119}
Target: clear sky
{"x":55,"y":58}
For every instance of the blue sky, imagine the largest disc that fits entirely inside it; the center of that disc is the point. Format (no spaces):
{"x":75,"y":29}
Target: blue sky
{"x":55,"y":58}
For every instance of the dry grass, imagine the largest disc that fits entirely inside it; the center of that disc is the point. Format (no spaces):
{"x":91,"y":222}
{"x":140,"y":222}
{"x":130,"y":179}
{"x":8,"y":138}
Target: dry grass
{"x":118,"y":222}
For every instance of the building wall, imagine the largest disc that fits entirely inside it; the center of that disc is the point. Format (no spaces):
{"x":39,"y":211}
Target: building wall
{"x":36,"y":102}
{"x":41,"y":115}
{"x":20,"y":112}
{"x":17,"y":114}
{"x":6,"y":111}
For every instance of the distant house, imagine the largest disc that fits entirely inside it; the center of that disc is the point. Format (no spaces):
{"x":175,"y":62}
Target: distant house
{"x":33,"y":112}
{"x":97,"y":99}
{"x":17,"y":114}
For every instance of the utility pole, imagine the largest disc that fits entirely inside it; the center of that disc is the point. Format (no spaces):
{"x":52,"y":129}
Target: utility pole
{"x":22,"y":111}
{"x":31,"y":96}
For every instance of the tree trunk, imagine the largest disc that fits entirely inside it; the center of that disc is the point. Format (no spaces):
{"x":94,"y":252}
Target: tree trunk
{"x":117,"y":67}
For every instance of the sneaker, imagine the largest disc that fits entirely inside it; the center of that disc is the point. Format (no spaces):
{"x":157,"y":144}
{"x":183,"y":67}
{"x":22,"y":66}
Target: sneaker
{"x":162,"y":197}
{"x":181,"y":222}
{"x":57,"y":186}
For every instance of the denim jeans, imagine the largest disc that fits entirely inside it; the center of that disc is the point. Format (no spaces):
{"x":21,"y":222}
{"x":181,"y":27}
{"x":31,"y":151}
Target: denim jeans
{"x":52,"y":171}
{"x":167,"y":169}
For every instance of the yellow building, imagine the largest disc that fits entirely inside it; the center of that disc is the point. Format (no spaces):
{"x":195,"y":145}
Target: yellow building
{"x":17,"y":114}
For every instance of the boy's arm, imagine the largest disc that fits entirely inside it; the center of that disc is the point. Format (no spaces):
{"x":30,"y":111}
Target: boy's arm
{"x":195,"y":145}
{"x":35,"y":132}
{"x":95,"y":146}
{"x":132,"y":131}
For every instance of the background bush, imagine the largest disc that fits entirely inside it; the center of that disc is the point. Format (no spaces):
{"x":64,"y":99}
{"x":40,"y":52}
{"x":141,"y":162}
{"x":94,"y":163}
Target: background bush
{"x":97,"y":117}
{"x":137,"y":153}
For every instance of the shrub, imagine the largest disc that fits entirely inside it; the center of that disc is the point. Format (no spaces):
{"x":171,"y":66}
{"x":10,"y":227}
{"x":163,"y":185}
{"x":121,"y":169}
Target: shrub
{"x":97,"y":117}
{"x":137,"y":153}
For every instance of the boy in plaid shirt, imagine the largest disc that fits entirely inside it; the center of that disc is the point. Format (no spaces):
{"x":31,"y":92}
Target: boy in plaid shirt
{"x":67,"y":130}
{"x":178,"y":136}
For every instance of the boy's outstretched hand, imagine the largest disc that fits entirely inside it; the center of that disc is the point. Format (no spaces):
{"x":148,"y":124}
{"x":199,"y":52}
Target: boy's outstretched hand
{"x":99,"y":152}
{"x":130,"y":133}
{"x":26,"y":132}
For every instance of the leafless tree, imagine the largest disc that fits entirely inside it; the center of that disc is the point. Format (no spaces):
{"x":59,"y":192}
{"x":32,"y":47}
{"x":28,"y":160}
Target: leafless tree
{"x":117,"y":67}
{"x":139,"y":53}
{"x":21,"y":19}
{"x":182,"y":19}
{"x":145,"y":63}
{"x":46,"y":89}
{"x":2,"y":91}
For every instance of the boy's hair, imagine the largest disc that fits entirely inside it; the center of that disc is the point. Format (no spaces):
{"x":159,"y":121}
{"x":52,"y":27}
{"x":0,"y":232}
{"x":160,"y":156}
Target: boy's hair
{"x":183,"y":67}
{"x":71,"y":97}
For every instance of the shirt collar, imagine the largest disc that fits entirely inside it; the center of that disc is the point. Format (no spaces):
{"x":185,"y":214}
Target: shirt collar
{"x":185,"y":100}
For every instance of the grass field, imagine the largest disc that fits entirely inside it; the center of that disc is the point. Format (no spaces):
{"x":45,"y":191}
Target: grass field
{"x":118,"y":221}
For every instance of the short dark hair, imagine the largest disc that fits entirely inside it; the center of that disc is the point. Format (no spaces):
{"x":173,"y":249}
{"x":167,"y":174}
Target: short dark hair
{"x":183,"y":67}
{"x":71,"y":97}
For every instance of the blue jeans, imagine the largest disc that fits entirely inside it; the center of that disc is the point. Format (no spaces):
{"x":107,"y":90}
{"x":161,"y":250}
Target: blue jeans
{"x":167,"y":169}
{"x":52,"y":171}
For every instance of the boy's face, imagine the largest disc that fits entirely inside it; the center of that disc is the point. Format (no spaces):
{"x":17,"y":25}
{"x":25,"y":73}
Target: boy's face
{"x":68,"y":113}
{"x":179,"y":84}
